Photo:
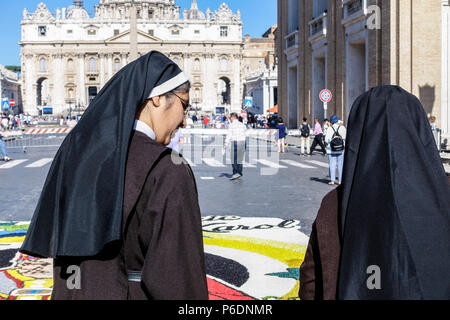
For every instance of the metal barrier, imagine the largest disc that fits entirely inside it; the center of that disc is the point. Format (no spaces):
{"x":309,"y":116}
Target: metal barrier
{"x":217,"y":136}
{"x":442,"y":140}
{"x":38,"y":137}
{"x":27,"y":142}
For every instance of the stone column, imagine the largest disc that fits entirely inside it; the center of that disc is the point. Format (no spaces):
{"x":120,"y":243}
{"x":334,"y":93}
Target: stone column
{"x":271,"y":93}
{"x":102,"y":70}
{"x":236,"y":96}
{"x":30,"y":79}
{"x":110,"y":65}
{"x":81,"y":90}
{"x":58,"y":83}
{"x":123,"y":58}
{"x":186,"y":58}
{"x":445,"y":112}
{"x":210,"y":78}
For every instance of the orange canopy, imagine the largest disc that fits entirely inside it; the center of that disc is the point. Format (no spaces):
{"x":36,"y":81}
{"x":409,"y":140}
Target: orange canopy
{"x":273,"y":110}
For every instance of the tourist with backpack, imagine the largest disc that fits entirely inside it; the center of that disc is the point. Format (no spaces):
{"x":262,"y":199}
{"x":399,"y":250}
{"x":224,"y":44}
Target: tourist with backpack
{"x":305,"y":133}
{"x":335,"y":139}
{"x":282,"y":133}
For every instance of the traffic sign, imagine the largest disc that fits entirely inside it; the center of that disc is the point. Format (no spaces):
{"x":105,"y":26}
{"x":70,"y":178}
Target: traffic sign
{"x":5,"y":105}
{"x":248,"y":102}
{"x":325,"y":96}
{"x":12,"y":102}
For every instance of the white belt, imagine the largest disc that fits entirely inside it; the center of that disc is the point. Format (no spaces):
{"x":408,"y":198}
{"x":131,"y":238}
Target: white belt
{"x":134,"y":276}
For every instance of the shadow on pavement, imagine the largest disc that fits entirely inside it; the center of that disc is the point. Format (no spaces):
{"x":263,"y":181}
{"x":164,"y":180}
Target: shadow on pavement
{"x":325,"y":181}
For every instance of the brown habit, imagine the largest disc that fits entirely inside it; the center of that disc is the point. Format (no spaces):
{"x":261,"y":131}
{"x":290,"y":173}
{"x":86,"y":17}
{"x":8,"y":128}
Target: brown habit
{"x":162,"y":235}
{"x":319,"y":270}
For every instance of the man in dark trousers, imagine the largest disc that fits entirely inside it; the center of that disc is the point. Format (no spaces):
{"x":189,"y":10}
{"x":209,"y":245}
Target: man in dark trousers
{"x":318,"y":138}
{"x":128,"y":225}
{"x":236,"y":138}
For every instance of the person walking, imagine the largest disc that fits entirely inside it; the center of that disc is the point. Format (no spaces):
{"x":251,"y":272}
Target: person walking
{"x":281,"y":127}
{"x":176,"y":141}
{"x":235,"y":139}
{"x":5,"y":156}
{"x":318,"y":138}
{"x":335,"y":139}
{"x":433,"y":124}
{"x":205,"y":122}
{"x":189,"y":125}
{"x":305,"y":133}
{"x":5,"y":122}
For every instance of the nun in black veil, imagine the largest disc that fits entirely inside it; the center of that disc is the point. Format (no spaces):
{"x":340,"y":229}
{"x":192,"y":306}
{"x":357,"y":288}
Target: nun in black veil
{"x":384,"y":233}
{"x":119,"y":211}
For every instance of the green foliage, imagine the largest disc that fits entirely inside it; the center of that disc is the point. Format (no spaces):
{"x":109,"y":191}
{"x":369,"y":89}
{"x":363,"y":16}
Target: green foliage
{"x":14,"y":68}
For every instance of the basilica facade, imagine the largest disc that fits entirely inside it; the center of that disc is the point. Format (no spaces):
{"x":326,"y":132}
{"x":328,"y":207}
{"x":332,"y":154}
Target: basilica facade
{"x":67,"y":57}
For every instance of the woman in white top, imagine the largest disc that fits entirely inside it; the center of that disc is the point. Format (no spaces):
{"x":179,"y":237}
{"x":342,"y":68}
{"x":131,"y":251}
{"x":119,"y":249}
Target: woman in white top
{"x":335,"y":156}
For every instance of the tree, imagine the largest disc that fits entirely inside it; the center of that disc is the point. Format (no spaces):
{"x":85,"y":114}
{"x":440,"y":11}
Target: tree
{"x":14,"y":68}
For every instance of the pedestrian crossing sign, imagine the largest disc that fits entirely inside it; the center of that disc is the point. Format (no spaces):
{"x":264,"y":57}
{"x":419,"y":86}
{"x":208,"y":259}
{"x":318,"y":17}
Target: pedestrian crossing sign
{"x":248,"y":102}
{"x":5,"y":105}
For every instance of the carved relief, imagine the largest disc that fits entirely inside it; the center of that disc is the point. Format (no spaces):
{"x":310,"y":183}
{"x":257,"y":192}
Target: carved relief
{"x":42,"y":14}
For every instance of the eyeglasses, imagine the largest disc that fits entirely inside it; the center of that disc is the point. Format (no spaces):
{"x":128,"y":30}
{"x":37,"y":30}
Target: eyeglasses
{"x":186,"y":105}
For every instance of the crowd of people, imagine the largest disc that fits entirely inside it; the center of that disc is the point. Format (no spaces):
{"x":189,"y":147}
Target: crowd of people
{"x":222,"y":121}
{"x":330,"y":137}
{"x":22,"y":120}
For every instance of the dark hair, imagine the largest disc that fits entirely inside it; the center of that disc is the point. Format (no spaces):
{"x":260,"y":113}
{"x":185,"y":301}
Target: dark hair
{"x":184,"y":88}
{"x":235,"y":115}
{"x":305,"y":119}
{"x":280,"y":120}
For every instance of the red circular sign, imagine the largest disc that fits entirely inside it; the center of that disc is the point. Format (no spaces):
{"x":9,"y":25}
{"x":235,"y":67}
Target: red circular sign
{"x":12,"y":102}
{"x":325,"y":96}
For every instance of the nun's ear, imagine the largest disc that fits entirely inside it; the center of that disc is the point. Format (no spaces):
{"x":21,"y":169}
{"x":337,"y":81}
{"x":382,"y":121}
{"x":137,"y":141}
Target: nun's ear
{"x":156,"y":101}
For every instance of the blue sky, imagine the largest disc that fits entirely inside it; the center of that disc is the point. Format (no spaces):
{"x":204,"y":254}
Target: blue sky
{"x":257,"y":17}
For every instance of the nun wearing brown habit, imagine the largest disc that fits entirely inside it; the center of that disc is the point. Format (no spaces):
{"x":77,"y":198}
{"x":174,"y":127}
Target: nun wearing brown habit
{"x":119,"y":211}
{"x":384,"y":233}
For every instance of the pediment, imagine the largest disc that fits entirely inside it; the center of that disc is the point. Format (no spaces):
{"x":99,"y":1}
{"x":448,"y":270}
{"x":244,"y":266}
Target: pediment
{"x":91,"y":26}
{"x":124,"y":37}
{"x":175,"y":27}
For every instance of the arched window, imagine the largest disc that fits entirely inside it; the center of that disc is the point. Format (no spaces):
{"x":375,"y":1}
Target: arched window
{"x":71,"y":93}
{"x":197,"y":64}
{"x":70,"y":65}
{"x":117,"y":64}
{"x":42,"y":65}
{"x":223,"y":64}
{"x":92,"y":65}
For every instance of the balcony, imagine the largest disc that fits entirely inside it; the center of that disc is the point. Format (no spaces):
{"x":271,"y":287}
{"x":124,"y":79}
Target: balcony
{"x":291,"y":39}
{"x":354,"y":11}
{"x":291,"y":43}
{"x":318,"y":28}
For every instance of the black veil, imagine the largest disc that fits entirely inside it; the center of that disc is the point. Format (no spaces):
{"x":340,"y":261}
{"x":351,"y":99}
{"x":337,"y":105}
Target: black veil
{"x":80,"y":207}
{"x":394,"y":202}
